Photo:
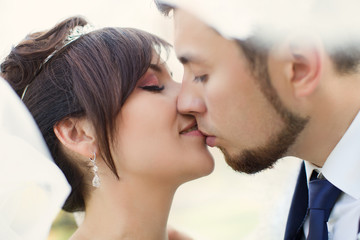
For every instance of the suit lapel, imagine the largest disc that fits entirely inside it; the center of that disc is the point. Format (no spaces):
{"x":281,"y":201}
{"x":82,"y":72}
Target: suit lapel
{"x":298,"y":208}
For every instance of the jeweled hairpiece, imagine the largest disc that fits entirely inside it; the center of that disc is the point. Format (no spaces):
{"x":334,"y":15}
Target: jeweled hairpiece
{"x":75,"y":34}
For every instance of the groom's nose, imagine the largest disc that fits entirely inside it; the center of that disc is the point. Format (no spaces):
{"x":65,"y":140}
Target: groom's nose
{"x":190,"y":99}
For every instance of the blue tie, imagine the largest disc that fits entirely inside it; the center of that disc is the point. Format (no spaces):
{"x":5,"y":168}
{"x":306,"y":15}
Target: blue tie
{"x":322,"y":198}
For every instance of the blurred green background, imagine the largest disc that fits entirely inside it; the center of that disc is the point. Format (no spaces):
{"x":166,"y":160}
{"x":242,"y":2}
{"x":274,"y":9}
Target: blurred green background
{"x":63,"y":226}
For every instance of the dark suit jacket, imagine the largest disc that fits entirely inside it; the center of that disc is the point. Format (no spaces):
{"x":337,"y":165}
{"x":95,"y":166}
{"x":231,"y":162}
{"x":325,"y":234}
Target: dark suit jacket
{"x":299,"y":204}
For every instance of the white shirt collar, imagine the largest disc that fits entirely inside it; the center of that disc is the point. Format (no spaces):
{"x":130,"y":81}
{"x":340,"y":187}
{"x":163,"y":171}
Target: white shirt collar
{"x":309,"y":168}
{"x":342,"y":167}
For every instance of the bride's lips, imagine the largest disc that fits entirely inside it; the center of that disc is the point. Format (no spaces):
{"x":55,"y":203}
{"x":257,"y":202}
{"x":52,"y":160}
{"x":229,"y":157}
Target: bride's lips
{"x":191,"y":130}
{"x":194,"y":133}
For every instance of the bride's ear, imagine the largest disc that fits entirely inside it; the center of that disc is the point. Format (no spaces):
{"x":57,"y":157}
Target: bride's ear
{"x":77,"y":134}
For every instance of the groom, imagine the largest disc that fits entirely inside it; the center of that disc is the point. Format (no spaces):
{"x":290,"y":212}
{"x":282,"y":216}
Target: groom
{"x":291,"y":95}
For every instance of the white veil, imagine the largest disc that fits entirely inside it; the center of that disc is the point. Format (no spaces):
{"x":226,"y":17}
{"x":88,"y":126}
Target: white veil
{"x":238,"y":19}
{"x":32,"y":187}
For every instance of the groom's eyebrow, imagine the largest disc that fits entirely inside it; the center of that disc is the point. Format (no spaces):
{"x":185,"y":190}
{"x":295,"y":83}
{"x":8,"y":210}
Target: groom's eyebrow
{"x":156,"y":68}
{"x":189,"y":58}
{"x":183,"y":59}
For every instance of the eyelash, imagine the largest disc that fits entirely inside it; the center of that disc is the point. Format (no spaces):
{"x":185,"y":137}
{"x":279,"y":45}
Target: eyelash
{"x":201,"y":78}
{"x":153,"y":88}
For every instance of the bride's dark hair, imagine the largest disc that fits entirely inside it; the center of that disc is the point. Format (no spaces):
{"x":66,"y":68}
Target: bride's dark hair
{"x":92,"y":77}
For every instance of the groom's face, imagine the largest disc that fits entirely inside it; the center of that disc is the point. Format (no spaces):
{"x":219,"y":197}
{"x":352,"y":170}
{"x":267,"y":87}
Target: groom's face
{"x":228,"y":102}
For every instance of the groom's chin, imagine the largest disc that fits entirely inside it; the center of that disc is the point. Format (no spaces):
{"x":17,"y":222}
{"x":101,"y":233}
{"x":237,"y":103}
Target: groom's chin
{"x":249,"y":162}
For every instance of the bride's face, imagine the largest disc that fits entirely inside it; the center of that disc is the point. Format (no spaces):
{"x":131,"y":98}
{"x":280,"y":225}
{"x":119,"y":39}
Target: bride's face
{"x":153,"y":139}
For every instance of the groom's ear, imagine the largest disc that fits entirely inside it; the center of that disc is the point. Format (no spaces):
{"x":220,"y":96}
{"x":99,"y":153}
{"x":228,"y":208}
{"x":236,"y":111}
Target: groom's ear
{"x":305,"y":62}
{"x":77,"y":135}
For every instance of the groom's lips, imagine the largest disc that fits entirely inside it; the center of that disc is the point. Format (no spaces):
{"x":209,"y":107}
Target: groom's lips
{"x":210,"y":140}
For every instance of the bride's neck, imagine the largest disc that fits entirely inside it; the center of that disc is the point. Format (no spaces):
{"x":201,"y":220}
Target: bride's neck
{"x":133,"y":209}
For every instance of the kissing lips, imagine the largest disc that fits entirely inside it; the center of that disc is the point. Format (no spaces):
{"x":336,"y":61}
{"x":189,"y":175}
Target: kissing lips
{"x":210,"y":141}
{"x":191,"y":130}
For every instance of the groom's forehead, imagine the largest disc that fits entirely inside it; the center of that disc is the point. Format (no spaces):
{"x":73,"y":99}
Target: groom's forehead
{"x":194,"y":40}
{"x":190,"y":28}
{"x":217,"y":13}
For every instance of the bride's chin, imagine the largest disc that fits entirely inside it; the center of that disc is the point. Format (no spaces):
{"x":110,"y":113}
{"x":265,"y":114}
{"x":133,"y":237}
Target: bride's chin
{"x":206,"y":168}
{"x":209,"y":169}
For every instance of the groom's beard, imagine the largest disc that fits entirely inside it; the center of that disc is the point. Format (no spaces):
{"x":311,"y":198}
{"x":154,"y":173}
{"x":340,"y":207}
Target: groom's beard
{"x":264,"y":157}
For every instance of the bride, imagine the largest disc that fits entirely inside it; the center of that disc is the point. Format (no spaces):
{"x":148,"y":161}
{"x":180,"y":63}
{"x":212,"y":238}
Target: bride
{"x":105,"y":104}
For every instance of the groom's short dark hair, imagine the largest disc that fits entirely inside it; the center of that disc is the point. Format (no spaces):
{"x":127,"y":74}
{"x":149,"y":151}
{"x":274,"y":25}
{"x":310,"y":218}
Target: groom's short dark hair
{"x":164,"y":8}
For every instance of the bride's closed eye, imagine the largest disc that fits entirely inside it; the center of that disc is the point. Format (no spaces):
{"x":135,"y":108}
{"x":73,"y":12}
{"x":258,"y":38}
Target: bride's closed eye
{"x":150,"y":81}
{"x":153,"y":88}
